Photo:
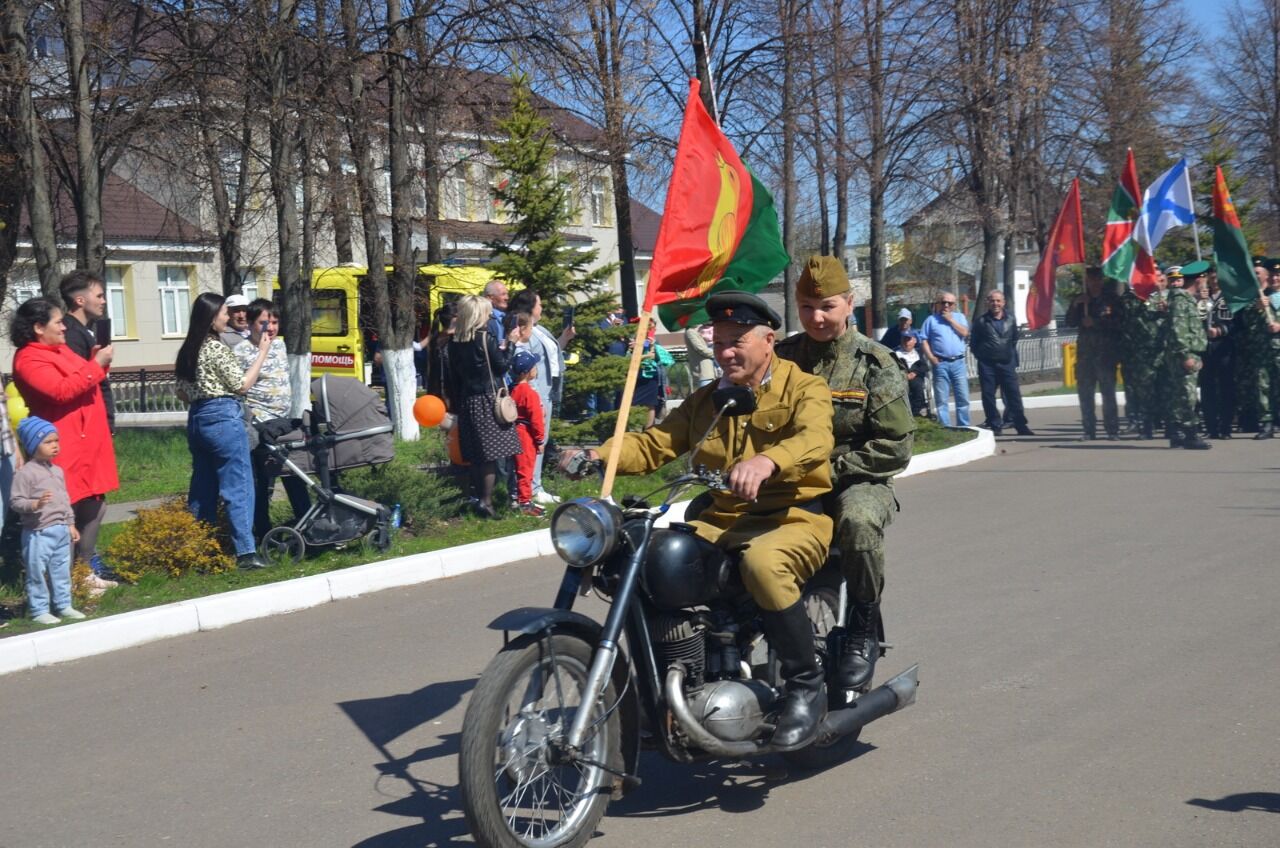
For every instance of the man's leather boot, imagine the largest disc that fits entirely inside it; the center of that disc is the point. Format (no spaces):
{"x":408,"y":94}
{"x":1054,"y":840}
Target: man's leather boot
{"x":1192,"y":441}
{"x":861,"y":646}
{"x":804,"y":704}
{"x":1268,"y":431}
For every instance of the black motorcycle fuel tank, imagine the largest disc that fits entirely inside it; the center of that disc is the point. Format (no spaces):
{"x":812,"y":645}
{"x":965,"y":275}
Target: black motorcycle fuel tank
{"x":683,"y":570}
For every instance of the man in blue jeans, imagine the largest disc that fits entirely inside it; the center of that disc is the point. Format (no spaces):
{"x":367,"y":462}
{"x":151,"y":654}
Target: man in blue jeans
{"x":943,"y":336}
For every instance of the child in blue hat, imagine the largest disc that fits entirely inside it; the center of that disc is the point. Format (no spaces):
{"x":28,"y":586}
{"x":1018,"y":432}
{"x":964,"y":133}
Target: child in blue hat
{"x":39,"y":496}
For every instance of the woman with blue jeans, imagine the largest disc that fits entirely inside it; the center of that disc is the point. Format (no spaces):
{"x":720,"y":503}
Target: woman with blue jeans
{"x":213,"y":381}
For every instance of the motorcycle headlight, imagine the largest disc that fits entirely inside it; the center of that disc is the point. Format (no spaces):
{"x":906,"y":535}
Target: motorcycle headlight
{"x":585,"y":530}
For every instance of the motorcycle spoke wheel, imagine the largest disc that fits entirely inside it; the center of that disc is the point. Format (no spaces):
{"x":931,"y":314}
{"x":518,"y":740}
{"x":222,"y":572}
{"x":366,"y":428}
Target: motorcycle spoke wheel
{"x":520,"y":788}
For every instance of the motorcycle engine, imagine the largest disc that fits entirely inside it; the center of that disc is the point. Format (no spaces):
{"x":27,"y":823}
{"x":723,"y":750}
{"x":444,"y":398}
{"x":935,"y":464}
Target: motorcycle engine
{"x":730,"y":709}
{"x":678,"y":639}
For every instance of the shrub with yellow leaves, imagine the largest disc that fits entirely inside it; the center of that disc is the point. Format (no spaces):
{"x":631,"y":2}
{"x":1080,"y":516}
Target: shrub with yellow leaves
{"x":167,"y":540}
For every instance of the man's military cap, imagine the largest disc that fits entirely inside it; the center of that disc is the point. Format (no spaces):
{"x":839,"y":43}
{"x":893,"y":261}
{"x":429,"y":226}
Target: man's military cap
{"x":739,"y":307}
{"x":1272,"y":264}
{"x":1173,"y":271}
{"x":1260,"y":261}
{"x":823,"y":276}
{"x":1196,"y":269}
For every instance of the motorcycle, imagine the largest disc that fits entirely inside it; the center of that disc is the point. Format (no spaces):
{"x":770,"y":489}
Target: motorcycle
{"x":555,"y":725}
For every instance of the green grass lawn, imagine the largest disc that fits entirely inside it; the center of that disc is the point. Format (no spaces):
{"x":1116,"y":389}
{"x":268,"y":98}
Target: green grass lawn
{"x":152,"y":462}
{"x":435,"y":513}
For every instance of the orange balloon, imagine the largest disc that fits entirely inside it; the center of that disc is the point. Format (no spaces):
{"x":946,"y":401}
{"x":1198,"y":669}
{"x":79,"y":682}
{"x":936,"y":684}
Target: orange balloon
{"x":428,"y":410}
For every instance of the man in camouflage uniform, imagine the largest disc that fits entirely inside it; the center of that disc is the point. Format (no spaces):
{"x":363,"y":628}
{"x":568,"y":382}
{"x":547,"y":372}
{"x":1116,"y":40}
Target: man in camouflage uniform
{"x":1142,"y":325}
{"x":1187,"y":342}
{"x":1270,"y":324}
{"x":874,"y":432}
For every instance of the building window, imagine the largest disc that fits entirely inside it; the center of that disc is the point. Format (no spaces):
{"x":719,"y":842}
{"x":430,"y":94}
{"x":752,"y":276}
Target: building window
{"x":175,"y":299}
{"x":599,"y":196}
{"x":24,"y":284}
{"x":249,"y":283}
{"x":117,"y":301}
{"x":454,"y":194}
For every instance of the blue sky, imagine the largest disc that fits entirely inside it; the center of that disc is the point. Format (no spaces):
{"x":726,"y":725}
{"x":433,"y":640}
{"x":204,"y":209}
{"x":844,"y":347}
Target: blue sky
{"x":1206,"y":11}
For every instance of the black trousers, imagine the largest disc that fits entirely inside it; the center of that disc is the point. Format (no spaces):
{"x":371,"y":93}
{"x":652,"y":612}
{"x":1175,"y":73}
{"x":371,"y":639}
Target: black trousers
{"x":1218,"y":389}
{"x":1005,"y":378}
{"x":265,"y":472}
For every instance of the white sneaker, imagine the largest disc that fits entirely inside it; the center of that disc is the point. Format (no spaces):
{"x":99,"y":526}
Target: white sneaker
{"x":546,"y":498}
{"x":71,"y":613}
{"x":47,"y":618}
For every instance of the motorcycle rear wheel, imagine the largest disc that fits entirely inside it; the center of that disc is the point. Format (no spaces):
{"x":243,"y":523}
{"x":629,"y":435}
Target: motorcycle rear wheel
{"x":822,"y":603}
{"x":517,"y":790}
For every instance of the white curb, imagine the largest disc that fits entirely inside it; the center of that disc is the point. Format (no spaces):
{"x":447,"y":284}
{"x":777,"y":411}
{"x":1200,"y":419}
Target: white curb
{"x":97,"y":636}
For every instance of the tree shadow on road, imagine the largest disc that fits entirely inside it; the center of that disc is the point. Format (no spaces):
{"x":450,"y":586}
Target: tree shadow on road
{"x":673,"y":789}
{"x":382,"y":721}
{"x":1267,"y":802}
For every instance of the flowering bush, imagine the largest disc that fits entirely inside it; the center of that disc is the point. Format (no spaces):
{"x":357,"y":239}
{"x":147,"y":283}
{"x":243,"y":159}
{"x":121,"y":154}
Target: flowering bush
{"x":167,"y":540}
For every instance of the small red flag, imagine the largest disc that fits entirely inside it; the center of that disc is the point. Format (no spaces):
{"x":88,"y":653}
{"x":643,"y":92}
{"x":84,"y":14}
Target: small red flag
{"x":1066,"y":247}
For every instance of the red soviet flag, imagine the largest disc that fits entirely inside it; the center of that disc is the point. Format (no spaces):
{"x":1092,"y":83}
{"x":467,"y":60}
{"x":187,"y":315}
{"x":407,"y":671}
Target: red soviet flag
{"x":1066,"y":247}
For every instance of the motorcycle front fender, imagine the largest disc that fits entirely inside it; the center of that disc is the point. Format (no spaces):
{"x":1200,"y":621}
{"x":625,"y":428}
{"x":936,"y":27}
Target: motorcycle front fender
{"x":528,"y":621}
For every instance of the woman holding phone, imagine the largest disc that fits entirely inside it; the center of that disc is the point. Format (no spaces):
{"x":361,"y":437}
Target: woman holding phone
{"x":66,"y":390}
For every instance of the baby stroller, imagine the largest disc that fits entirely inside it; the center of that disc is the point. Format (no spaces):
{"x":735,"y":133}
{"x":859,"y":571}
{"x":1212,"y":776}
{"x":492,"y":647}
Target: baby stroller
{"x":346,"y":428}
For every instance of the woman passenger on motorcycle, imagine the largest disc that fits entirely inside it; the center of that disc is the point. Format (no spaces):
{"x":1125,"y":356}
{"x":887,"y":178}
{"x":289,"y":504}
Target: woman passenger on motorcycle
{"x":874,"y":432}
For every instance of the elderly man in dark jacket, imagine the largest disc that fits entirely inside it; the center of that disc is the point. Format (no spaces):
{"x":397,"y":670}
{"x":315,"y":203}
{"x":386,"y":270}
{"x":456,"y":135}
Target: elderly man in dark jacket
{"x":994,"y":343}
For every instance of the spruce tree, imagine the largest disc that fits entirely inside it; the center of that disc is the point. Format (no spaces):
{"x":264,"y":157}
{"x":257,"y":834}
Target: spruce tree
{"x":539,"y":202}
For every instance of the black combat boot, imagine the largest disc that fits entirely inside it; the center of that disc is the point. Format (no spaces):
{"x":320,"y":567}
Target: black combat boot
{"x":1174,"y":435}
{"x":1268,"y":431}
{"x":1192,"y":441}
{"x":803,"y":706}
{"x":861,"y":646}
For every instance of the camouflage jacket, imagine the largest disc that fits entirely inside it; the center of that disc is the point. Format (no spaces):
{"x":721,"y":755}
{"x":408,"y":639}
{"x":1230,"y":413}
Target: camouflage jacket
{"x":1186,"y":328}
{"x":873,"y":426}
{"x":1143,"y":325}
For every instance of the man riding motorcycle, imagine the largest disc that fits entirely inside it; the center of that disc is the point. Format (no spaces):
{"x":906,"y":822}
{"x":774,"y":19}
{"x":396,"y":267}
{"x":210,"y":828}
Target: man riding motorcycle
{"x":777,"y":471}
{"x":874,"y":432}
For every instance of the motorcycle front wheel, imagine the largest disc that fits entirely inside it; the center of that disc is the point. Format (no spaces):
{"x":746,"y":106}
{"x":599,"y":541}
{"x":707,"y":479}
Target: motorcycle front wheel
{"x":520,"y":787}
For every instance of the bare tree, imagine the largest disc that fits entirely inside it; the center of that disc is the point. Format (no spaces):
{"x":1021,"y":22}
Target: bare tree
{"x":28,"y":142}
{"x":275,"y":25}
{"x":896,"y":107}
{"x":1249,"y":53}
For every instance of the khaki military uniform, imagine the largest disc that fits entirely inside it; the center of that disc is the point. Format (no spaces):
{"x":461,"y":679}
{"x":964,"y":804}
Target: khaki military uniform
{"x":874,"y":431}
{"x":783,"y":536}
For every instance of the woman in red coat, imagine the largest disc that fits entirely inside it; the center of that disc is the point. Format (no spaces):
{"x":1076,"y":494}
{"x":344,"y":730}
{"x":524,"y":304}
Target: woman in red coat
{"x":64,"y":389}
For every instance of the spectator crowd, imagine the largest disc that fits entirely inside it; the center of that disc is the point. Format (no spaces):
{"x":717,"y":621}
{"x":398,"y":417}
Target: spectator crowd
{"x":1189,"y":364}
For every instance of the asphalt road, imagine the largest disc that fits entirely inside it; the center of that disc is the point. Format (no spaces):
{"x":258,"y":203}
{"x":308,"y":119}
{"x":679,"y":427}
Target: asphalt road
{"x":1096,"y":625}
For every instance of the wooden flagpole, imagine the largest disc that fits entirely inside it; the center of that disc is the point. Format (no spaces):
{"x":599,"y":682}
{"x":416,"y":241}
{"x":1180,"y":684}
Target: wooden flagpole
{"x":624,"y":408}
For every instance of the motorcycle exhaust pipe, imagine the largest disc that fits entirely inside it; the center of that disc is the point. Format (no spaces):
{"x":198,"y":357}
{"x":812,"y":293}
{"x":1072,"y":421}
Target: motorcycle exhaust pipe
{"x":887,"y":698}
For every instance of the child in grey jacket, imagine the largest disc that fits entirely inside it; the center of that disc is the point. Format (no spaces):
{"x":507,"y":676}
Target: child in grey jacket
{"x":39,"y":496}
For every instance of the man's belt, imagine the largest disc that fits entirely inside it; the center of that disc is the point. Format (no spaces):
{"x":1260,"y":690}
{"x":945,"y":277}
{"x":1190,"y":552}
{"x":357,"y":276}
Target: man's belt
{"x":950,"y":358}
